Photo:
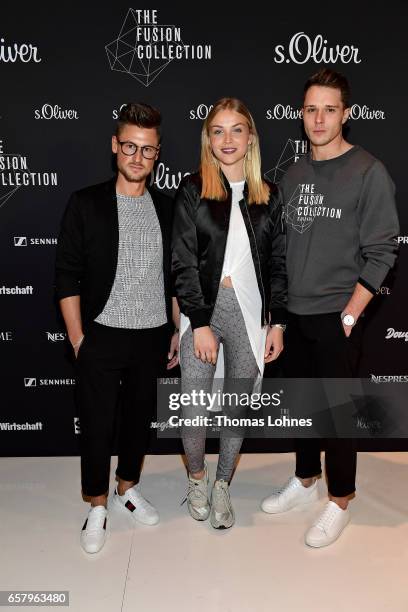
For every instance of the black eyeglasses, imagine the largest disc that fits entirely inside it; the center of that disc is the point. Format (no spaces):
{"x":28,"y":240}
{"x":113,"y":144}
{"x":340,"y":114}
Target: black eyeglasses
{"x":130,"y":148}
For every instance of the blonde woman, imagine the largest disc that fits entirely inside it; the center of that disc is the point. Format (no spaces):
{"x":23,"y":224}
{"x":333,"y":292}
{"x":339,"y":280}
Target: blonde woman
{"x":229,"y":272}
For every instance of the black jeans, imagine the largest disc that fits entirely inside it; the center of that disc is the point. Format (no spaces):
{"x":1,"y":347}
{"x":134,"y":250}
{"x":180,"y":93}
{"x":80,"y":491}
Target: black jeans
{"x":317,"y":347}
{"x":113,"y":363}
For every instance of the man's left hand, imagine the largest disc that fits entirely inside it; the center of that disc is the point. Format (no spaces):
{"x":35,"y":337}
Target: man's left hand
{"x":173,"y":354}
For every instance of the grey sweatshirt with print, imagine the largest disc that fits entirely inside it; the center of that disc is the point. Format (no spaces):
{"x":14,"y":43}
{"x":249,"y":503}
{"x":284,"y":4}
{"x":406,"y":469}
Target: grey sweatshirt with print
{"x":342,"y":226}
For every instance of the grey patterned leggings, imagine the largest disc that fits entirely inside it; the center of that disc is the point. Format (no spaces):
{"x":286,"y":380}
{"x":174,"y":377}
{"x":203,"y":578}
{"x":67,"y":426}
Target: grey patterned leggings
{"x":228,"y":325}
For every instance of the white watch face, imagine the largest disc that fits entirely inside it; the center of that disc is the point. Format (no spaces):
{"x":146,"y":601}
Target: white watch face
{"x":348,"y":319}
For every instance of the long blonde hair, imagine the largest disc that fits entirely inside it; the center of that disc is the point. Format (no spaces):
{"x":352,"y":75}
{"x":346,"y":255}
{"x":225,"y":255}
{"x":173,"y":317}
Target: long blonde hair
{"x":212,"y":183}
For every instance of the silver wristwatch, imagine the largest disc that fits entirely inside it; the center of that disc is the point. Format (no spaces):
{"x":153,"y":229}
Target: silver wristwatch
{"x":281,"y":326}
{"x":347,"y":319}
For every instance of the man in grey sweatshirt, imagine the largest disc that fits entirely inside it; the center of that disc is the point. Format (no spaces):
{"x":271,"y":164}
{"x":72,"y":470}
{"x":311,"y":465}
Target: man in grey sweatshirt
{"x":341,"y":229}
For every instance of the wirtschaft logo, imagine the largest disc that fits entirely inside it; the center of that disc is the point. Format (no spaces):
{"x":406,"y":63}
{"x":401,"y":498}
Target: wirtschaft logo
{"x":143,"y":47}
{"x":302,"y":49}
{"x":55,"y":336}
{"x":291,"y":153}
{"x":49,"y":382}
{"x":27,"y":290}
{"x":21,"y":426}
{"x":387,"y":378}
{"x":20,"y":241}
{"x":393,"y":334}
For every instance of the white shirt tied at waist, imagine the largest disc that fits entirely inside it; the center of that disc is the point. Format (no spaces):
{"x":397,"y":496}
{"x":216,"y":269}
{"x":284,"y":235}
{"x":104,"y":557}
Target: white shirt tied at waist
{"x":239,"y":265}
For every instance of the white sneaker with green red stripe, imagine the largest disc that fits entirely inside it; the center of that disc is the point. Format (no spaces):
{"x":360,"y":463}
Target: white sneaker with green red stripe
{"x":93,"y":534}
{"x":135,"y":505}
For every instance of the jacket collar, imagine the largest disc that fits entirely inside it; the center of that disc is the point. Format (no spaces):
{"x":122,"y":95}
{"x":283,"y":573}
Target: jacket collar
{"x":228,"y":187}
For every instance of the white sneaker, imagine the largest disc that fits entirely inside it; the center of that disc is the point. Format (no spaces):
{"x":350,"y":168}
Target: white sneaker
{"x":197,"y":496}
{"x":134,"y":504}
{"x":93,"y":534}
{"x":292,"y":494}
{"x":222,"y":513}
{"x":329,"y":525}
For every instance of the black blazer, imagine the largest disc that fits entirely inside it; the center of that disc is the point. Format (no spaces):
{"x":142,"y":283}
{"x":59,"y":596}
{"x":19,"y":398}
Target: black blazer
{"x":199,"y":240}
{"x":88,"y":242}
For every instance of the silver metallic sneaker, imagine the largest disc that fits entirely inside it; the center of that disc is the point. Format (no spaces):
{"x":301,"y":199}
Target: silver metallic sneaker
{"x":222,"y":513}
{"x":197,"y":497}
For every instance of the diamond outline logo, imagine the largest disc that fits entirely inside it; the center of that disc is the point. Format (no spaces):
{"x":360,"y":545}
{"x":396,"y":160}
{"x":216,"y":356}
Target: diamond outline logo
{"x":121,"y":51}
{"x":30,"y":382}
{"x":7,"y":196}
{"x":20,"y":241}
{"x":286,"y":158}
{"x":291,"y":214}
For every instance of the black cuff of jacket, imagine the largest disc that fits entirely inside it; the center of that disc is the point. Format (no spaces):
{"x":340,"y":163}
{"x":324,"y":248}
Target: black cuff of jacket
{"x":199,"y":318}
{"x":278,"y":315}
{"x":367,"y":286}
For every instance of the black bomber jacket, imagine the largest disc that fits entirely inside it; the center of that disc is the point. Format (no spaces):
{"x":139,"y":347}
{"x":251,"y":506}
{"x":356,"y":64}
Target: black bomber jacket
{"x":199,"y":240}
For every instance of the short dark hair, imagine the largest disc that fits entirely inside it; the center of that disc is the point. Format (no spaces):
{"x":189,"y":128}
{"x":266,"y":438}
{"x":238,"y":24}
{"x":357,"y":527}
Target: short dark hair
{"x":142,"y":115}
{"x":330,"y":78}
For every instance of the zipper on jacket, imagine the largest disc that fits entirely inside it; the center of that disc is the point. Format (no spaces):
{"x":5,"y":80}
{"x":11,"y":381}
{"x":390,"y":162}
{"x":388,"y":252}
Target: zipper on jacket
{"x":259,"y":262}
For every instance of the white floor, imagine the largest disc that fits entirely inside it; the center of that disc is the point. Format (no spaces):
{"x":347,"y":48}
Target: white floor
{"x":261,"y":564}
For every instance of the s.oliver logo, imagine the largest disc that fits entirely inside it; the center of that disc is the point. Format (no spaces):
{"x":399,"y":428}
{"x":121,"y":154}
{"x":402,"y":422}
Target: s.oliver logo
{"x":364,"y":112}
{"x":13,"y":53}
{"x":302,"y":49}
{"x":53,"y":111}
{"x":201,"y":112}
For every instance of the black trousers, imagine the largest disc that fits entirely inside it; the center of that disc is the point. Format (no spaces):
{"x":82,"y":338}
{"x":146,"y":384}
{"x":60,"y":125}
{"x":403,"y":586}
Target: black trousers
{"x":317,"y":347}
{"x":114,"y":364}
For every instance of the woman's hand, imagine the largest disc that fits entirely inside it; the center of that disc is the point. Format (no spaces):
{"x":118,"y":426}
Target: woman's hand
{"x":273,"y":344}
{"x":205,"y":344}
{"x":173,"y":354}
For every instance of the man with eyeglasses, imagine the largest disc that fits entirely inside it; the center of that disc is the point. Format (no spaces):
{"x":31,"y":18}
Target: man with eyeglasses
{"x":114,"y":288}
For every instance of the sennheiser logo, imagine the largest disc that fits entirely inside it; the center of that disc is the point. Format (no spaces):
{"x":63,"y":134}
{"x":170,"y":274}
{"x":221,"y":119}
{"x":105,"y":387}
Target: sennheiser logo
{"x":302,"y":49}
{"x":291,"y":153}
{"x":55,"y":337}
{"x":30,"y":382}
{"x":6,"y":336}
{"x":77,"y":426}
{"x":18,"y":53}
{"x":393,"y":334}
{"x":21,"y":426}
{"x":53,"y":111}
{"x":27,"y":290}
{"x":401,"y":378}
{"x":143,"y":47}
{"x":49,"y":382}
{"x":22,"y":241}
